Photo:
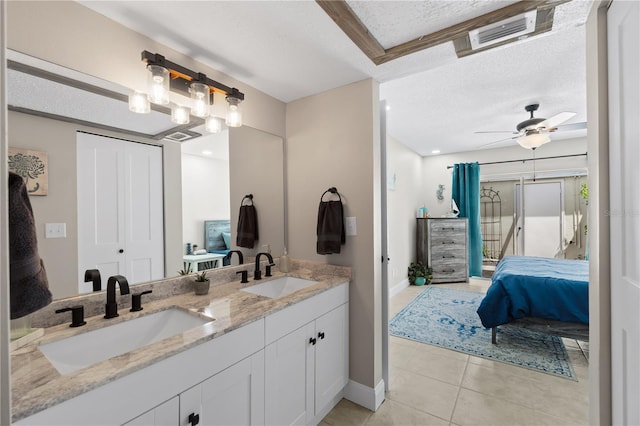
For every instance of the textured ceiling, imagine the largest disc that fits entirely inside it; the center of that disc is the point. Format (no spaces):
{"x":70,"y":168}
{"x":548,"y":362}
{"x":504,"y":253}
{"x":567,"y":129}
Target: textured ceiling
{"x":292,"y":49}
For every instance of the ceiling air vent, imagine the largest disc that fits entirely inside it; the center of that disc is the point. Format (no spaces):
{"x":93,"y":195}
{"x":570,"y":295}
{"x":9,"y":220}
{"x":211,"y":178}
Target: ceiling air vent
{"x":504,"y":30}
{"x":181,"y":136}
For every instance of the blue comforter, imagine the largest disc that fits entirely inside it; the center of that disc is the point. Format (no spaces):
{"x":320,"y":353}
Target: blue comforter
{"x":525,"y":286}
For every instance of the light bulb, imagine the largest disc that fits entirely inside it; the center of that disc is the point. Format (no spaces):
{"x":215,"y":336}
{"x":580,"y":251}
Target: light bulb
{"x":158,"y":85}
{"x":534,"y":140}
{"x":213,"y":125}
{"x":138,"y":102}
{"x":200,"y":98}
{"x":180,"y":115}
{"x":234,"y":115}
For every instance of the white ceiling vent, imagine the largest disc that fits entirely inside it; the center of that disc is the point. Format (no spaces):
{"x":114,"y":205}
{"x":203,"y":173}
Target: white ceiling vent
{"x":504,"y":30}
{"x":180,"y":136}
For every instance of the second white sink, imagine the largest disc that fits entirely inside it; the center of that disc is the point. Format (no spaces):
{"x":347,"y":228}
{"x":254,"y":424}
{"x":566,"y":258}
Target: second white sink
{"x":279,"y":287}
{"x":82,"y":350}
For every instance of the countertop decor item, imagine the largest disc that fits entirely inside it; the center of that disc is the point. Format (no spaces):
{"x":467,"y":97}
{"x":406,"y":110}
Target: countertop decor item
{"x":201,"y":283}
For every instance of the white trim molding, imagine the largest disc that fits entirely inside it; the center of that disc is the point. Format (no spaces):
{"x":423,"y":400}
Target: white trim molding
{"x":398,"y":287}
{"x":365,"y":396}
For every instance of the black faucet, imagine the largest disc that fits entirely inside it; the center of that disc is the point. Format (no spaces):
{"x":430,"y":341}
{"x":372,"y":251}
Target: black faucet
{"x":111,"y":308}
{"x":257,"y":275}
{"x":93,"y":275}
{"x":240,"y":257}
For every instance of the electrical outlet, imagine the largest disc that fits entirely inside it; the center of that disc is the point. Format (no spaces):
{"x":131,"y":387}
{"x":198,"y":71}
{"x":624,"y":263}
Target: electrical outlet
{"x":55,"y":230}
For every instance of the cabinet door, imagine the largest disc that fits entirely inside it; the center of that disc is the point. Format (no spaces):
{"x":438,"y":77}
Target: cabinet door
{"x":234,"y":396}
{"x":332,"y":360}
{"x":165,"y":414}
{"x":289,"y":378}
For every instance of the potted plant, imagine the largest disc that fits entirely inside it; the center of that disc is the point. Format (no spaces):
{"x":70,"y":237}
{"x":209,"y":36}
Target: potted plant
{"x":185,"y":271}
{"x":419,"y":273}
{"x":201,"y":284}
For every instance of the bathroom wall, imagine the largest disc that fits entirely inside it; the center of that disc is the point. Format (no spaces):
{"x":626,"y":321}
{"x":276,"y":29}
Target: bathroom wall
{"x":402,"y":203}
{"x":111,"y":51}
{"x":333,"y":140}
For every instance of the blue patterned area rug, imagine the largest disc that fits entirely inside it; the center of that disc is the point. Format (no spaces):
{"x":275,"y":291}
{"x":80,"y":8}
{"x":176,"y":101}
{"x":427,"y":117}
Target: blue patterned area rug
{"x":446,"y":317}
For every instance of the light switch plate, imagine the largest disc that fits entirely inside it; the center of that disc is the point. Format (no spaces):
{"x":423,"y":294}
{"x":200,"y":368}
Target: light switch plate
{"x":351,"y":228}
{"x":55,"y":230}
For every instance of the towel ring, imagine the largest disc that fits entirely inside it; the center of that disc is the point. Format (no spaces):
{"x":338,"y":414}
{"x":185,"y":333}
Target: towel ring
{"x":331,"y":190}
{"x":248,"y":196}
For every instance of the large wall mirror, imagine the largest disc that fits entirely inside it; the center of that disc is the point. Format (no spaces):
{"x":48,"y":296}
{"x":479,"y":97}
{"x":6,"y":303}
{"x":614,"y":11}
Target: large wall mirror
{"x":204,"y":176}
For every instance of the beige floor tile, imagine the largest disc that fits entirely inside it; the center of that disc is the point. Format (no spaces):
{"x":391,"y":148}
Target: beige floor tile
{"x":549,"y":394}
{"x":392,"y":413}
{"x":423,"y":393}
{"x":473,"y":408}
{"x":440,"y":366}
{"x":348,"y":414}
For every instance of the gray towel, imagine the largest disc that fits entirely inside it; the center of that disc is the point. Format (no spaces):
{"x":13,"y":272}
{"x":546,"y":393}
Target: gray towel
{"x":330,"y":229}
{"x":28,"y":279}
{"x":247,"y":227}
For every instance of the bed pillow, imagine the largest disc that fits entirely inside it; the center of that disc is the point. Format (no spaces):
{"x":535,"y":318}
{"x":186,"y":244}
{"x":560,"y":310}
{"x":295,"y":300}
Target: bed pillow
{"x":226,"y":236}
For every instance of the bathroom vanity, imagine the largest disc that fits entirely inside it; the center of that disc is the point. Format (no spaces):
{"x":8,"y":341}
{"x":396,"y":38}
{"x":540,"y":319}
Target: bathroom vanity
{"x":253,"y":360}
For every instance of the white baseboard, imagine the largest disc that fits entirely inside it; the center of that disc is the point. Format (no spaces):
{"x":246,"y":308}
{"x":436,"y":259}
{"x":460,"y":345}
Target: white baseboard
{"x":365,"y":396}
{"x":398,"y":287}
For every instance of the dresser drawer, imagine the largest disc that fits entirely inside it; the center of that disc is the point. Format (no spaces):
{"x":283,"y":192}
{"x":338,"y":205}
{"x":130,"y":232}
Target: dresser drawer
{"x":448,"y":225}
{"x":448,"y":252}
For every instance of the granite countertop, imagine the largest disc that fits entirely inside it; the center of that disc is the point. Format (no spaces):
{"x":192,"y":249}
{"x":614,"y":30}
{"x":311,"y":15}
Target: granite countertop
{"x":36,"y":385}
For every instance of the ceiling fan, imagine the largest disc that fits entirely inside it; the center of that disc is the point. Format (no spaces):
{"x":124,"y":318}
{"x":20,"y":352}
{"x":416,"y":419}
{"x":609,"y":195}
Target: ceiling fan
{"x":534,"y":132}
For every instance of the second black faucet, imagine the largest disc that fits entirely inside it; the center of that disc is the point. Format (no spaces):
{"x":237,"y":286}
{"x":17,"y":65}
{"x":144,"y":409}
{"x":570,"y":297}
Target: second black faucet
{"x":111,"y":308}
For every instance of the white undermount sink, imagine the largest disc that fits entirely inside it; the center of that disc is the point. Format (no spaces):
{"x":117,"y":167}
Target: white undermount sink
{"x":82,"y":350}
{"x":279,"y":287}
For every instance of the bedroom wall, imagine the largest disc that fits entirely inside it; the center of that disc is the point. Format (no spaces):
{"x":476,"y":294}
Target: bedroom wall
{"x":402,"y":203}
{"x":436,"y":172}
{"x":200,"y":201}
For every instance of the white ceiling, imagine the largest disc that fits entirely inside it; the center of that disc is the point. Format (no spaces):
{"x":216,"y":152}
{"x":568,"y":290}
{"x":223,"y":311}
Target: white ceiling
{"x":292,"y":49}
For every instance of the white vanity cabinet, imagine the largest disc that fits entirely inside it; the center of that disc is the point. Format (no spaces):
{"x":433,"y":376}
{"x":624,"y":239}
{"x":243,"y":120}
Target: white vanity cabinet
{"x":220,"y":361}
{"x":165,"y":414}
{"x":234,"y":396}
{"x":306,"y":366}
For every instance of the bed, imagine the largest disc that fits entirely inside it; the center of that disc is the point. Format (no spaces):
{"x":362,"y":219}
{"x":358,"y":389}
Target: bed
{"x":551,"y":294}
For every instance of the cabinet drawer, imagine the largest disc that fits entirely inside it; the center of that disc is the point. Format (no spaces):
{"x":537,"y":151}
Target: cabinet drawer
{"x":448,"y":251}
{"x":452,"y":225}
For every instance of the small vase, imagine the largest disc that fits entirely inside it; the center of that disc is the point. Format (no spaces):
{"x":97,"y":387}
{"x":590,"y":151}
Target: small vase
{"x":420,"y":281}
{"x":201,"y":287}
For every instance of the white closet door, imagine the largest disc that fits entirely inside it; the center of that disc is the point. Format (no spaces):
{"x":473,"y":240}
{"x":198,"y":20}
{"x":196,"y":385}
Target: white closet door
{"x":623,"y":27}
{"x":542,"y":219}
{"x":120,"y":216}
{"x":144,"y":237}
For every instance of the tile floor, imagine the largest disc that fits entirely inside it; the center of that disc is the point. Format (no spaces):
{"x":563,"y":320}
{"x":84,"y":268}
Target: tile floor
{"x":435,"y":386}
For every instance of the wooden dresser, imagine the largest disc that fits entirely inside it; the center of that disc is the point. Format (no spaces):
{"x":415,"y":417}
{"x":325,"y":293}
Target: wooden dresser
{"x":441,"y":243}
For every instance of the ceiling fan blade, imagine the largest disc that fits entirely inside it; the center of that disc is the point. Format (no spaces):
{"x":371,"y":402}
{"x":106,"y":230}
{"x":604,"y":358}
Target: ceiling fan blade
{"x":572,"y":126}
{"x":498,"y":141}
{"x":499,"y":131}
{"x":557,"y":119}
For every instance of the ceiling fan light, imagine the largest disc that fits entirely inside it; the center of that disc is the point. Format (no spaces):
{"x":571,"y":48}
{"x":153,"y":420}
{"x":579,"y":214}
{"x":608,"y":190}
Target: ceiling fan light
{"x":534,"y":140}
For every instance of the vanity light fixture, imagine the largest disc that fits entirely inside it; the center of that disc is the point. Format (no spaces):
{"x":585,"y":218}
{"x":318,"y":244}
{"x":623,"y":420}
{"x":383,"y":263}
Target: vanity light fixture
{"x":138,"y":102}
{"x":213,"y":124}
{"x":166,"y":76}
{"x":533,"y":140}
{"x":180,"y":114}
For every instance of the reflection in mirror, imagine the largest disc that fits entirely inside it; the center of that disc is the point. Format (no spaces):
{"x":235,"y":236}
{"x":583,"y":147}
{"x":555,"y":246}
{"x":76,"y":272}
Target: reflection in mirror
{"x":197,"y":187}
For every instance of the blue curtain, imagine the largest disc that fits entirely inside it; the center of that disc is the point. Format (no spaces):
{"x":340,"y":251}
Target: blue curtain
{"x":466,"y":193}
